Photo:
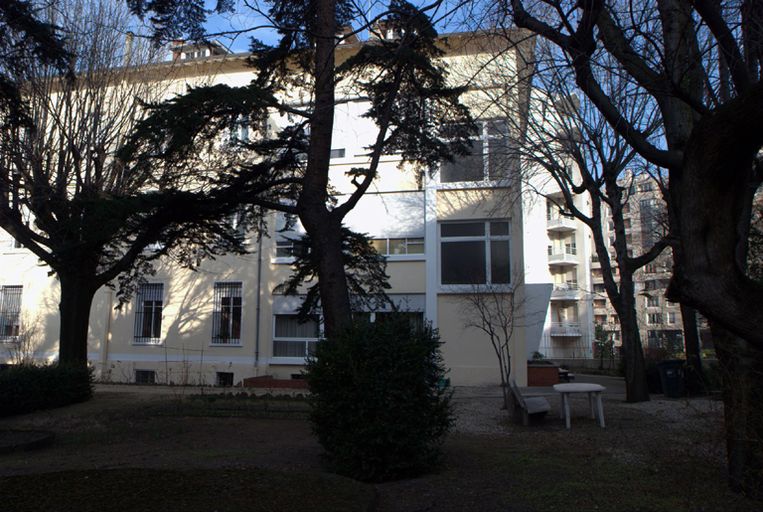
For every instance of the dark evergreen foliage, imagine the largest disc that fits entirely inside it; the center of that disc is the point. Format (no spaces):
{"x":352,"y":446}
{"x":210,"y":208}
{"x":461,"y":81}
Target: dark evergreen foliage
{"x":29,"y":388}
{"x":380,"y":401}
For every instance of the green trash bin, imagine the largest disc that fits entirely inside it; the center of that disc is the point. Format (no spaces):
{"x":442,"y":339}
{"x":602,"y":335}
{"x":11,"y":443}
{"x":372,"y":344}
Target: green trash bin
{"x":672,"y":378}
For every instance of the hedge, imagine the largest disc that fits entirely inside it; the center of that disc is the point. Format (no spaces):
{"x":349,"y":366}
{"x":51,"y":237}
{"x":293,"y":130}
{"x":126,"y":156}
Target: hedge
{"x":30,"y":388}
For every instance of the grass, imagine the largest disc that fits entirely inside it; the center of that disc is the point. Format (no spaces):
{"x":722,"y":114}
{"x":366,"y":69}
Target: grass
{"x":235,"y":453}
{"x":190,"y":491}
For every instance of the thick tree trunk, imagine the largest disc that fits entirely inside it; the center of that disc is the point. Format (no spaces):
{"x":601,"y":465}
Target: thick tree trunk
{"x":636,"y":388}
{"x":76,"y":298}
{"x":695,"y":378}
{"x":742,"y":371}
{"x":335,"y":296}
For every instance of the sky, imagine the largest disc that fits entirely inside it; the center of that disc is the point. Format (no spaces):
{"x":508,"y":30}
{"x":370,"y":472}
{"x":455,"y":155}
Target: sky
{"x":246,"y":18}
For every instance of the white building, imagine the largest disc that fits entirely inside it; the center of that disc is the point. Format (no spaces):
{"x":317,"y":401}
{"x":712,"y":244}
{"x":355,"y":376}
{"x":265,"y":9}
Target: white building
{"x":451,"y":234}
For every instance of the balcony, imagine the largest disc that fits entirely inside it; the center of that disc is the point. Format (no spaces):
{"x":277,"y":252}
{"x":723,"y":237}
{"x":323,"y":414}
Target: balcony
{"x":565,"y":291}
{"x":567,"y":257}
{"x":560,"y":224}
{"x":566,"y":329}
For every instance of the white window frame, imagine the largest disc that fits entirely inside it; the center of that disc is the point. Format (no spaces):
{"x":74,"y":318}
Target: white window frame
{"x":294,"y":361}
{"x":406,"y":241}
{"x":486,"y":238}
{"x":484,"y":137}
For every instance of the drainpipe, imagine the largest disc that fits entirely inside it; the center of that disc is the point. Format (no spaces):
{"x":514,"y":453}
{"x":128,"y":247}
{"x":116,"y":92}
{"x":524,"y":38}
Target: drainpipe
{"x":259,"y":308}
{"x":106,"y":336}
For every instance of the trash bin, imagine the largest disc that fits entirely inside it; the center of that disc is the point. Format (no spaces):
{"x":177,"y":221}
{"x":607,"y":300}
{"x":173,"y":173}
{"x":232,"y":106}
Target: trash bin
{"x":672,"y":378}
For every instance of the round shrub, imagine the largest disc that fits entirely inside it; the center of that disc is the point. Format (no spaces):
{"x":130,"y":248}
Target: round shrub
{"x":28,"y":388}
{"x":380,"y":403}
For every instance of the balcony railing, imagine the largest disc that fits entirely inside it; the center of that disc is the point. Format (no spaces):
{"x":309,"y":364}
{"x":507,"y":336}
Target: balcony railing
{"x":568,"y":256}
{"x":568,"y":290}
{"x":560,"y":224}
{"x":565,"y":329}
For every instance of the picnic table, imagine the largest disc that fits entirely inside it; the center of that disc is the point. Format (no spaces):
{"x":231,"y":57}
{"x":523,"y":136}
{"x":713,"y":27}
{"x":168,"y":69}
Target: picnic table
{"x":594,"y":394}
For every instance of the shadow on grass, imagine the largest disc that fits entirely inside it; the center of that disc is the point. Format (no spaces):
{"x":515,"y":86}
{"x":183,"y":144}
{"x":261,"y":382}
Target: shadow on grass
{"x":243,"y":490}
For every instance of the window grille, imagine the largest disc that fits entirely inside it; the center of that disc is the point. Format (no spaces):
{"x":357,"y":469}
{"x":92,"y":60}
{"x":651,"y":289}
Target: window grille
{"x":145,"y":377}
{"x":226,"y":320}
{"x":148,"y":313}
{"x":225,"y":379}
{"x":10,"y":312}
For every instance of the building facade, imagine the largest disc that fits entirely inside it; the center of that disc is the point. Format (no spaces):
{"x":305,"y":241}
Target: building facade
{"x":445,"y":236}
{"x":660,"y":322}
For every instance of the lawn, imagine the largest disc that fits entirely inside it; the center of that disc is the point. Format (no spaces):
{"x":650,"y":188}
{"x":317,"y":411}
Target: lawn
{"x":133,"y":451}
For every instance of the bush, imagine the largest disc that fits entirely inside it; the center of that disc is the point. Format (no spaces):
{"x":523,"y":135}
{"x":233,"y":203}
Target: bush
{"x":380,"y":404}
{"x":29,"y":388}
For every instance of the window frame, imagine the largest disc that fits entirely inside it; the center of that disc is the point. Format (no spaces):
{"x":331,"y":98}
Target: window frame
{"x":406,"y":242}
{"x":219,"y":315}
{"x":486,"y":238}
{"x":139,"y":339}
{"x":484,"y":138}
{"x":288,"y":360}
{"x":10,"y":308}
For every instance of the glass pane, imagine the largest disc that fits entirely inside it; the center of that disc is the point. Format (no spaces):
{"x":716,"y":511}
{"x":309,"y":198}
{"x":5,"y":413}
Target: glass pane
{"x":289,"y":326}
{"x":415,"y":246}
{"x":499,"y":228}
{"x":380,"y":244}
{"x":463,"y":229}
{"x":282,"y":348}
{"x":463,"y":263}
{"x":499,"y":263}
{"x":498,"y":128}
{"x":397,"y":246}
{"x":465,"y":168}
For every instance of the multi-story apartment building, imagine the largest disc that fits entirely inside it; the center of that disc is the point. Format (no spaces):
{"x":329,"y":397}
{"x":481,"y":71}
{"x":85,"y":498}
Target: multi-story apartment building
{"x":660,"y":322}
{"x":444,"y":236}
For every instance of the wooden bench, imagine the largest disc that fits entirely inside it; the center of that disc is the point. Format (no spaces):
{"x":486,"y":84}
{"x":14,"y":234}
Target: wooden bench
{"x":535,"y":406}
{"x":565,"y":375}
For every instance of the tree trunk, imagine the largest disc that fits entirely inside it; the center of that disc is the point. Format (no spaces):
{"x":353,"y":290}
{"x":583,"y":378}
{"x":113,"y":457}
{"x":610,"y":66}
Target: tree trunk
{"x":76,"y":298}
{"x":695,"y":378}
{"x":636,"y":388}
{"x":335,"y":296}
{"x":742,"y":372}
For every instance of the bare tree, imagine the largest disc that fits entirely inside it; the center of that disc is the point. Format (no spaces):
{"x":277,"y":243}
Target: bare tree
{"x":21,"y":349}
{"x":91,"y":216}
{"x":496,"y":312}
{"x":700,"y":62}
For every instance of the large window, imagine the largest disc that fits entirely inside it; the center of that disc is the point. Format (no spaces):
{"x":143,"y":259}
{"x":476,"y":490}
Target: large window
{"x":10,"y":312}
{"x":293,"y":337}
{"x":226,"y":320}
{"x":148,"y":313}
{"x":475,"y":253}
{"x":488,"y":158}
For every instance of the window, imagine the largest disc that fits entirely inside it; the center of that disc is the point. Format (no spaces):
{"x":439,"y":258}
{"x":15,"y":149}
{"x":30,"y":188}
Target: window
{"x":414,"y":318}
{"x":474,"y":252}
{"x":145,"y":377}
{"x":290,"y":248}
{"x":645,"y":187}
{"x":337,"y":153}
{"x":653,"y":301}
{"x":651,"y":268}
{"x":654,"y":318}
{"x":398,"y":246}
{"x":10,"y":312}
{"x":226,"y":320}
{"x":224,"y":379}
{"x":239,"y":130}
{"x":294,"y":338}
{"x":488,"y":158}
{"x":148,"y":313}
{"x":671,"y":317}
{"x":599,"y":288}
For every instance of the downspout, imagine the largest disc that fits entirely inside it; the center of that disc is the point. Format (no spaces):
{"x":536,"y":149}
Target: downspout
{"x":106,"y":337}
{"x":259,"y":307}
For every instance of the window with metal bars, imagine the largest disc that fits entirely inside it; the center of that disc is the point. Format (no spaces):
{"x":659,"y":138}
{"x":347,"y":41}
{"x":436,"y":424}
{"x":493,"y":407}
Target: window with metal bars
{"x":226,"y":320}
{"x":10,"y":312}
{"x":148,"y":313}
